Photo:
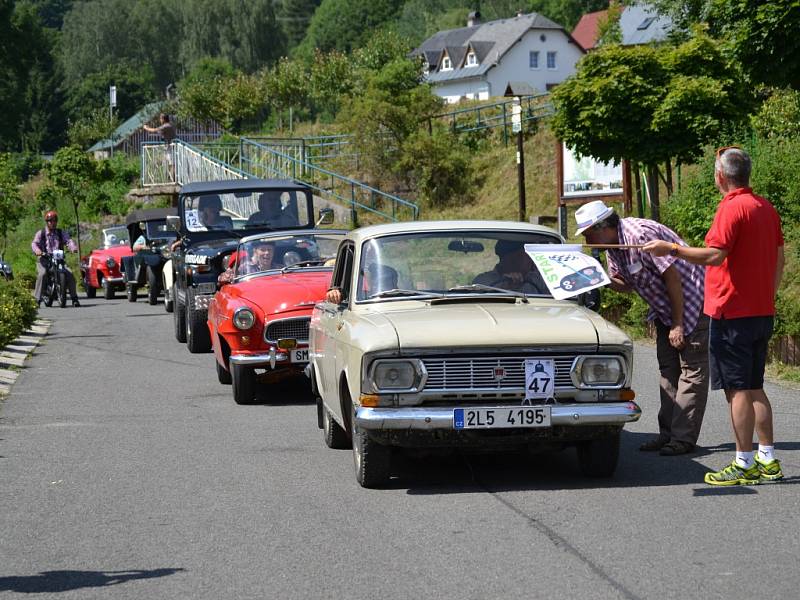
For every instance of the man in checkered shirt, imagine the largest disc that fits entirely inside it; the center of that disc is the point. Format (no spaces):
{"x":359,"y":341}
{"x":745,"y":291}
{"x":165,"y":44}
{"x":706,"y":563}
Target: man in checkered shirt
{"x":673,"y":289}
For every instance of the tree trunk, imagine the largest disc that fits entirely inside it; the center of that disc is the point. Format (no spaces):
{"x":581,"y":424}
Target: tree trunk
{"x":637,"y":174}
{"x":652,"y":190}
{"x":668,"y":175}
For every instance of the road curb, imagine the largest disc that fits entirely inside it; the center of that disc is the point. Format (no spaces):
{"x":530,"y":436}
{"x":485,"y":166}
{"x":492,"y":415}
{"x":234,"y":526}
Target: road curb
{"x":13,"y":355}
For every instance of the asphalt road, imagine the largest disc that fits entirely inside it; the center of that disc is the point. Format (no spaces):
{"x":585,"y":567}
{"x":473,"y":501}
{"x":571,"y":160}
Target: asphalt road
{"x":127,"y":471}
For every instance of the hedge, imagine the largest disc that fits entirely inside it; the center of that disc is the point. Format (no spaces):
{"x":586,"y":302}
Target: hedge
{"x":17,"y":310}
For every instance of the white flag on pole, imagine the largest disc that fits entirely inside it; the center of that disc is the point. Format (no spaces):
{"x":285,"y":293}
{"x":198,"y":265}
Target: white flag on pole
{"x":566,"y":270}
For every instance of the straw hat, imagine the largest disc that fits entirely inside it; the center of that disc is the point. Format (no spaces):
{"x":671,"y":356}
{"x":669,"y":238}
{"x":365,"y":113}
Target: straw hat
{"x":591,"y":213}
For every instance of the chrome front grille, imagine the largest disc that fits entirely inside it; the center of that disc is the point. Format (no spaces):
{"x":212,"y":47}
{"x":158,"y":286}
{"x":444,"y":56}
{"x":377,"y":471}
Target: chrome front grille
{"x":478,"y":374}
{"x":296,"y":328}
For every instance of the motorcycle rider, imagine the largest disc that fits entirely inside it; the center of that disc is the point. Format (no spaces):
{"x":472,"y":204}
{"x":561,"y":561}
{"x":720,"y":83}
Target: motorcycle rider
{"x":45,"y":242}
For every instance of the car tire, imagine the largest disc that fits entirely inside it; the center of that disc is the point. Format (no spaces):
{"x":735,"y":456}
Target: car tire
{"x":108,"y":288}
{"x":223,"y":375}
{"x":153,"y":286}
{"x":598,"y":458}
{"x":179,"y":317}
{"x":335,"y":436}
{"x":243,"y":379}
{"x":62,"y":289}
{"x":372,"y":461}
{"x":169,"y":301}
{"x":131,"y":292}
{"x":91,"y":292}
{"x":198,"y":338}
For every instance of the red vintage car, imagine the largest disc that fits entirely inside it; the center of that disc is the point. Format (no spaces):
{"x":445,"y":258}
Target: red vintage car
{"x":259,"y":321}
{"x":101,"y":268}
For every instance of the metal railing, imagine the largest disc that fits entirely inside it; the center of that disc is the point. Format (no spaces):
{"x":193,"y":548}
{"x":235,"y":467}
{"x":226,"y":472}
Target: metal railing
{"x":260,"y":160}
{"x":180,"y":163}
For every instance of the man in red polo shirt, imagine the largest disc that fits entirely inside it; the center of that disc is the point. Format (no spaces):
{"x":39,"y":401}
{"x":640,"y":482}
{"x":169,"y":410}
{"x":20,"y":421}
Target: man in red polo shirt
{"x":744,"y":264}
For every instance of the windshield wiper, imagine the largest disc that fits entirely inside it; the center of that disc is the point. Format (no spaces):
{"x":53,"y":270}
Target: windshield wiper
{"x":301,"y":264}
{"x":399,"y":292}
{"x":485,"y":289}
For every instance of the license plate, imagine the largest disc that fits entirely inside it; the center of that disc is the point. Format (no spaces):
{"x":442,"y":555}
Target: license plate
{"x":206,"y":288}
{"x":300,"y":356}
{"x":501,"y":418}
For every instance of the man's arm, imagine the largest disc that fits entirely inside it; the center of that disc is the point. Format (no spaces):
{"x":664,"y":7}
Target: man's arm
{"x":672,"y":281}
{"x":35,"y":243}
{"x":698,"y":256}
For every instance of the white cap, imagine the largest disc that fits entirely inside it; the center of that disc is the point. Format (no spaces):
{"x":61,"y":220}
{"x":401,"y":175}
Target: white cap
{"x":591,"y":213}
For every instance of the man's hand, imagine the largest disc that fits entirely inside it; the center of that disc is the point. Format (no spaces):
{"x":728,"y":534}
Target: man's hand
{"x":676,"y":339}
{"x":657,"y":247}
{"x":37,"y":252}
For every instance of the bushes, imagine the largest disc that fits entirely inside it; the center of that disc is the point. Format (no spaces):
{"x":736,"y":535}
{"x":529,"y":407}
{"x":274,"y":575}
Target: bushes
{"x":17,"y":310}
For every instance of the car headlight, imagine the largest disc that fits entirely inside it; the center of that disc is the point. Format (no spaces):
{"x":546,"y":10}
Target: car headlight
{"x":397,"y":375}
{"x":111,"y":263}
{"x":243,"y":318}
{"x":599,"y":371}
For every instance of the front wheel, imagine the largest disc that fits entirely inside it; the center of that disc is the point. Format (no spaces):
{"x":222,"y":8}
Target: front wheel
{"x":62,"y":289}
{"x":153,"y":286}
{"x":131,"y":292}
{"x":598,"y":458}
{"x":108,"y":289}
{"x":179,"y":316}
{"x":372,"y":460}
{"x":223,"y":375}
{"x":169,"y":302}
{"x":244,"y":384}
{"x":49,"y":289}
{"x":91,"y":292}
{"x":198,"y":338}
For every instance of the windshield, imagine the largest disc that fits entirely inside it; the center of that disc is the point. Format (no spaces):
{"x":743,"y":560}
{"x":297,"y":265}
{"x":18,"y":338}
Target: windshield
{"x":115,"y":236}
{"x":157,"y":230}
{"x":465,"y":262}
{"x":274,"y":209}
{"x":285,"y":252}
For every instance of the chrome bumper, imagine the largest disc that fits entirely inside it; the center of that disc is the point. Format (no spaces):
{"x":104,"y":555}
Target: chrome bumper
{"x":421,"y":418}
{"x":270,"y":359}
{"x":114,"y":279}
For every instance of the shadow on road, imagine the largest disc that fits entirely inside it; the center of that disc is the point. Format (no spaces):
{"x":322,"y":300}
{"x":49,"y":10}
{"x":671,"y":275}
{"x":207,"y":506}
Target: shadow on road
{"x":63,"y":581}
{"x":516,"y":471}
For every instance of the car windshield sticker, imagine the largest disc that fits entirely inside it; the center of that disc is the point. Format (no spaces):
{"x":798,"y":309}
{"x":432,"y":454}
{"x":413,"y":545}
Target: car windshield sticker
{"x":193,"y":221}
{"x":566,"y":270}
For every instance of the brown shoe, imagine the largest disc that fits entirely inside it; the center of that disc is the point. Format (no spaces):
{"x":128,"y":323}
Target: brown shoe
{"x":676,"y":447}
{"x":656,"y":443}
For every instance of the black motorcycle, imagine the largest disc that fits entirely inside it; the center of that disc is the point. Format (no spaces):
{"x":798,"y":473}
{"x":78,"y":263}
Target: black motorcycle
{"x":6,"y":272}
{"x":55,"y":278}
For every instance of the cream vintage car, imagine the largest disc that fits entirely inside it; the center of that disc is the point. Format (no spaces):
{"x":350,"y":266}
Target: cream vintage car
{"x":446,"y":336}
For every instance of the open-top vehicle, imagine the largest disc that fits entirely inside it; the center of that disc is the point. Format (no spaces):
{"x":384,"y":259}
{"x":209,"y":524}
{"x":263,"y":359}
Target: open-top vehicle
{"x":212,"y":217}
{"x":423,"y":353}
{"x":145,"y":265}
{"x":102,"y":267}
{"x":259,"y":321}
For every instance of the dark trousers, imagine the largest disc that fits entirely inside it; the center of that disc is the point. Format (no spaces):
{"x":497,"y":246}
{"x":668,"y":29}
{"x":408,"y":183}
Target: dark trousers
{"x":684,"y":383}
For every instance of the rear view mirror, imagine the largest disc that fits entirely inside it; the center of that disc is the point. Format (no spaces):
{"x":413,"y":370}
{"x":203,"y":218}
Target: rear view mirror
{"x":325,"y":216}
{"x":174,"y":222}
{"x":465,"y":246}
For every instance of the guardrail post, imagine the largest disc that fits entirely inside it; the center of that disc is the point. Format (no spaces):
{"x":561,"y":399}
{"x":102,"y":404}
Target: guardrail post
{"x":505,"y":127}
{"x":241,"y":151}
{"x":303,"y":157}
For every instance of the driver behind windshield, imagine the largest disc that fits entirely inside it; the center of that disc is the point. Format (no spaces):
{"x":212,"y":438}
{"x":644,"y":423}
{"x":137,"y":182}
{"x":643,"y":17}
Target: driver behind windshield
{"x":208,"y":213}
{"x":514,"y":270}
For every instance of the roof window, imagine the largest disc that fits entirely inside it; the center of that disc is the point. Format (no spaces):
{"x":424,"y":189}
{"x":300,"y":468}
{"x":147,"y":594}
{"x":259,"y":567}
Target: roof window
{"x":472,"y":60}
{"x":646,"y":23}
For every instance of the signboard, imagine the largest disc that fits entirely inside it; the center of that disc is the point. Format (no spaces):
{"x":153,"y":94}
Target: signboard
{"x":566,"y":270}
{"x":516,"y":118}
{"x":584,"y":177}
{"x":112,"y":96}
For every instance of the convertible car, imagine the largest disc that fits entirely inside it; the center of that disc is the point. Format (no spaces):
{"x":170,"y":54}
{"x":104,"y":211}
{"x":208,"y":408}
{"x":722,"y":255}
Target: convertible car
{"x":101,"y":268}
{"x":445,"y":337}
{"x":259,"y":320}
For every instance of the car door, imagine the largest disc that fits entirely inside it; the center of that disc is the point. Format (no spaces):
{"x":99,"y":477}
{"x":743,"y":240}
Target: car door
{"x":327,"y":325}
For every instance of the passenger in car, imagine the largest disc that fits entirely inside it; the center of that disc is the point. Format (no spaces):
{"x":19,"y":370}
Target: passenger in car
{"x":377,"y":278}
{"x":208,"y":209}
{"x":514,"y":270}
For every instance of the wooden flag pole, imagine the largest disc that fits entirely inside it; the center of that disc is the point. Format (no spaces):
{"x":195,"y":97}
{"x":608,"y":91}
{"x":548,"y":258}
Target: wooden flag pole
{"x":615,"y":246}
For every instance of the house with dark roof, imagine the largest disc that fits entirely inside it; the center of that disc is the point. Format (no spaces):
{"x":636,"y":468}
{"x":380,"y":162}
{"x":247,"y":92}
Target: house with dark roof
{"x":639,"y":24}
{"x":479,"y":60}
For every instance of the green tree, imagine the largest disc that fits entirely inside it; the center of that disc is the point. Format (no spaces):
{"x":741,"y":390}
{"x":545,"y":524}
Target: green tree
{"x":11,"y":206}
{"x":200,"y":89}
{"x":649,"y":105}
{"x":294,"y":17}
{"x":287,"y":84}
{"x":135,"y":87}
{"x":347,"y":24}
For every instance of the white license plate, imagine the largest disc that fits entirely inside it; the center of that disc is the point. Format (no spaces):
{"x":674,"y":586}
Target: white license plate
{"x":501,"y":417}
{"x":206,"y":288}
{"x":300,"y":356}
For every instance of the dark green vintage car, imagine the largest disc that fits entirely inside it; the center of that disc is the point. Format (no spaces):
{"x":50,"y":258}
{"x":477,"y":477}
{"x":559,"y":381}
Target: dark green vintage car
{"x":147,"y":226}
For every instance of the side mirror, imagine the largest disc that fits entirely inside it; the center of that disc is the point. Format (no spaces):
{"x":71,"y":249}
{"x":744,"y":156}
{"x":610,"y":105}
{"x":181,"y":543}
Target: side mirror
{"x":325,"y":217}
{"x":174,"y":222}
{"x":590,"y":299}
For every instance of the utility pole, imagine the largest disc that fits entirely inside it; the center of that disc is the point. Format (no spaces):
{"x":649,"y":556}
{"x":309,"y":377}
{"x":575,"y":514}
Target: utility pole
{"x":516,"y":127}
{"x":112,"y":102}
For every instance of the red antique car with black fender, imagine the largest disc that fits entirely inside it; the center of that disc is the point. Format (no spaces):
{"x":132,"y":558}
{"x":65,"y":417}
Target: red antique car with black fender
{"x":259,"y":320}
{"x":101,"y":268}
